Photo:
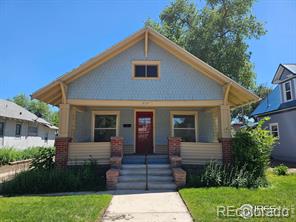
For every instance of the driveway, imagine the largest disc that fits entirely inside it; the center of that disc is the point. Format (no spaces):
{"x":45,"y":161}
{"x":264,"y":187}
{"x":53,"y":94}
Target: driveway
{"x":147,"y":207}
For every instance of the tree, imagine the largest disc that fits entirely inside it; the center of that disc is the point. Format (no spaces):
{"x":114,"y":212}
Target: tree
{"x":37,"y":107}
{"x":216,"y":34}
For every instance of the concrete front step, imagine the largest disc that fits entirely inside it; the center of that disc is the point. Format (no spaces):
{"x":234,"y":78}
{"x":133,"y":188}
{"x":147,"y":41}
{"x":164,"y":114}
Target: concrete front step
{"x":140,"y":159}
{"x":142,"y":178}
{"x":142,"y":186}
{"x":163,"y":172}
{"x":143,"y":166}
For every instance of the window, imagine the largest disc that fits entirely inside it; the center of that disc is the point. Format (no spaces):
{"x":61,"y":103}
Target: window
{"x":184,"y":126}
{"x":274,"y":129}
{"x":146,"y":69}
{"x":18,"y":129}
{"x":1,"y":129}
{"x":287,"y":91}
{"x":105,"y":126}
{"x":46,"y":138}
{"x":32,"y":130}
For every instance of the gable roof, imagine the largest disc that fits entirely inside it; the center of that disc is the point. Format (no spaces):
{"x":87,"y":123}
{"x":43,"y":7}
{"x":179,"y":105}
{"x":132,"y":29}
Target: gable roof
{"x":11,"y":110}
{"x":53,"y":92}
{"x":289,"y":67}
{"x":272,"y":103}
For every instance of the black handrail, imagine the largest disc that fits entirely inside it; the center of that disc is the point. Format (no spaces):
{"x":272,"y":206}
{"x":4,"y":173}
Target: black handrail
{"x":146,"y":164}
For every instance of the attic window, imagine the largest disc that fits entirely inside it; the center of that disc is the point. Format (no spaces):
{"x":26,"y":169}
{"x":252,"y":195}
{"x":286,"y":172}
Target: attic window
{"x":287,"y":91}
{"x":145,"y":69}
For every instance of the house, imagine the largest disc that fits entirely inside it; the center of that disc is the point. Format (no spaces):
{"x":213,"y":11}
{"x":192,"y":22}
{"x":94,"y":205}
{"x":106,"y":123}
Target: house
{"x":280,"y":106}
{"x":20,"y":128}
{"x":145,"y":95}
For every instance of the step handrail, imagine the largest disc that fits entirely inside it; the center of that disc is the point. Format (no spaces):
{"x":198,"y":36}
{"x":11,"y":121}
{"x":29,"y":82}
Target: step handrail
{"x":146,"y":164}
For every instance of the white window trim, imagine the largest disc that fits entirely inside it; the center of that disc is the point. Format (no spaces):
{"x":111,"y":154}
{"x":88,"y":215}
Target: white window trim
{"x":144,"y":62}
{"x":278,"y":129}
{"x":285,"y":91}
{"x":94,"y":113}
{"x":195,"y":113}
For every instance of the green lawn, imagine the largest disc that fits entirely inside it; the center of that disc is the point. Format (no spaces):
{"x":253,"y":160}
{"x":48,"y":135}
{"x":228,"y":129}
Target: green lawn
{"x":203,"y":202}
{"x":63,"y":208}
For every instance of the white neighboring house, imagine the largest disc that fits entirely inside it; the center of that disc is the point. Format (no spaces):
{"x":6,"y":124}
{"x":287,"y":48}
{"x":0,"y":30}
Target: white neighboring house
{"x":20,"y":128}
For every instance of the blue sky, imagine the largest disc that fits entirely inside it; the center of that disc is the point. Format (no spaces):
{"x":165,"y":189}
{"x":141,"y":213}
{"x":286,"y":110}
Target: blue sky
{"x":41,"y":40}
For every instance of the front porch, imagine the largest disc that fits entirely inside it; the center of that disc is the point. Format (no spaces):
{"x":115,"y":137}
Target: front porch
{"x":145,"y":130}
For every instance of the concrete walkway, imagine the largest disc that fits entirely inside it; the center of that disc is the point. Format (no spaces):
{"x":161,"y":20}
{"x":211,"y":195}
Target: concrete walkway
{"x":147,"y":207}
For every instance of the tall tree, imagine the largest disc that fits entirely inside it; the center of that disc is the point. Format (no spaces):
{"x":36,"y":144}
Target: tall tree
{"x":37,"y":107}
{"x":216,"y":33}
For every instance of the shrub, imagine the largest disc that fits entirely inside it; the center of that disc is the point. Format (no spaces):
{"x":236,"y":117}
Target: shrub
{"x":252,"y":149}
{"x":216,"y":174}
{"x":53,"y":180}
{"x":31,"y":152}
{"x":43,"y":159}
{"x":8,"y":154}
{"x":281,"y":170}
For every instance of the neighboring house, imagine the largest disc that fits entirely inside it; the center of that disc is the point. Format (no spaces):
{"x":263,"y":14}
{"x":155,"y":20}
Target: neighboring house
{"x":280,"y":106}
{"x":146,"y":92}
{"x":20,"y":128}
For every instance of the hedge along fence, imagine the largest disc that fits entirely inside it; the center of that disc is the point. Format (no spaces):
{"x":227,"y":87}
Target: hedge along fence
{"x":10,"y":154}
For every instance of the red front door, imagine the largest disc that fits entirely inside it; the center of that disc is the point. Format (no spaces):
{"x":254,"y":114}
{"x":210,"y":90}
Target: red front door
{"x":144,"y":132}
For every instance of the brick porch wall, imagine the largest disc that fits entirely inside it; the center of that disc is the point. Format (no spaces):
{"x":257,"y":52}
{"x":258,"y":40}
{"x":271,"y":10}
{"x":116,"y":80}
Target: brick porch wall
{"x":174,"y":146}
{"x":226,"y":149}
{"x":62,"y":146}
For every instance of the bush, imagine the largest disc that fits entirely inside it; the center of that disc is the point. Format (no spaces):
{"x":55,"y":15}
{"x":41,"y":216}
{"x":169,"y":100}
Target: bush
{"x":252,"y":149}
{"x":43,"y":159}
{"x":31,"y":152}
{"x":37,"y":181}
{"x":216,"y":174}
{"x":281,"y":170}
{"x":8,"y":155}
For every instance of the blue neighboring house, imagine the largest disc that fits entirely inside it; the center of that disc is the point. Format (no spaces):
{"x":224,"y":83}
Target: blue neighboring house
{"x":280,"y":106}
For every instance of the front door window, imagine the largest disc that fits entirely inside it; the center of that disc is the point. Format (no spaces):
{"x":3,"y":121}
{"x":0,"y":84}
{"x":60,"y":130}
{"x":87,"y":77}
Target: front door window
{"x":144,"y":132}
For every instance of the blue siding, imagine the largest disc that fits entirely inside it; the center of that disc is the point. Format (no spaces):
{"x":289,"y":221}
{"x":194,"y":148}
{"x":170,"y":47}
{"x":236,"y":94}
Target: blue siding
{"x":206,"y":125}
{"x":113,"y":79}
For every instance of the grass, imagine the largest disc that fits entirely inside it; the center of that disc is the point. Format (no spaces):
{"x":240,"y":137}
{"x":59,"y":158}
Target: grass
{"x":63,"y":208}
{"x":203,"y":202}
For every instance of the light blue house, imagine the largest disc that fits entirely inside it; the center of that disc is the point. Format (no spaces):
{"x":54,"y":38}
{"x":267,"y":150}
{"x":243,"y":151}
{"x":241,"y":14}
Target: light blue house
{"x":149,"y":95}
{"x":280,"y":106}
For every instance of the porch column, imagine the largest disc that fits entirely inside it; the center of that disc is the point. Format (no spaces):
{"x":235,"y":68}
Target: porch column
{"x":225,"y":133}
{"x":64,"y":126}
{"x":63,"y":140}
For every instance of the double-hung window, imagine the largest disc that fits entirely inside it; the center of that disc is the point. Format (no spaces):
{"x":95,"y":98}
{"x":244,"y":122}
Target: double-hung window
{"x":184,"y":125}
{"x":145,"y":69}
{"x":287,"y":91}
{"x":18,"y":129}
{"x":32,"y":130}
{"x":105,"y":126}
{"x":274,"y":129}
{"x":1,"y":129}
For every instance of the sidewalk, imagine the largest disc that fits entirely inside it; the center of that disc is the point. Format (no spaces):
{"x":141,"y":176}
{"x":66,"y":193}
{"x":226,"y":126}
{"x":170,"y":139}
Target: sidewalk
{"x":147,"y":207}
